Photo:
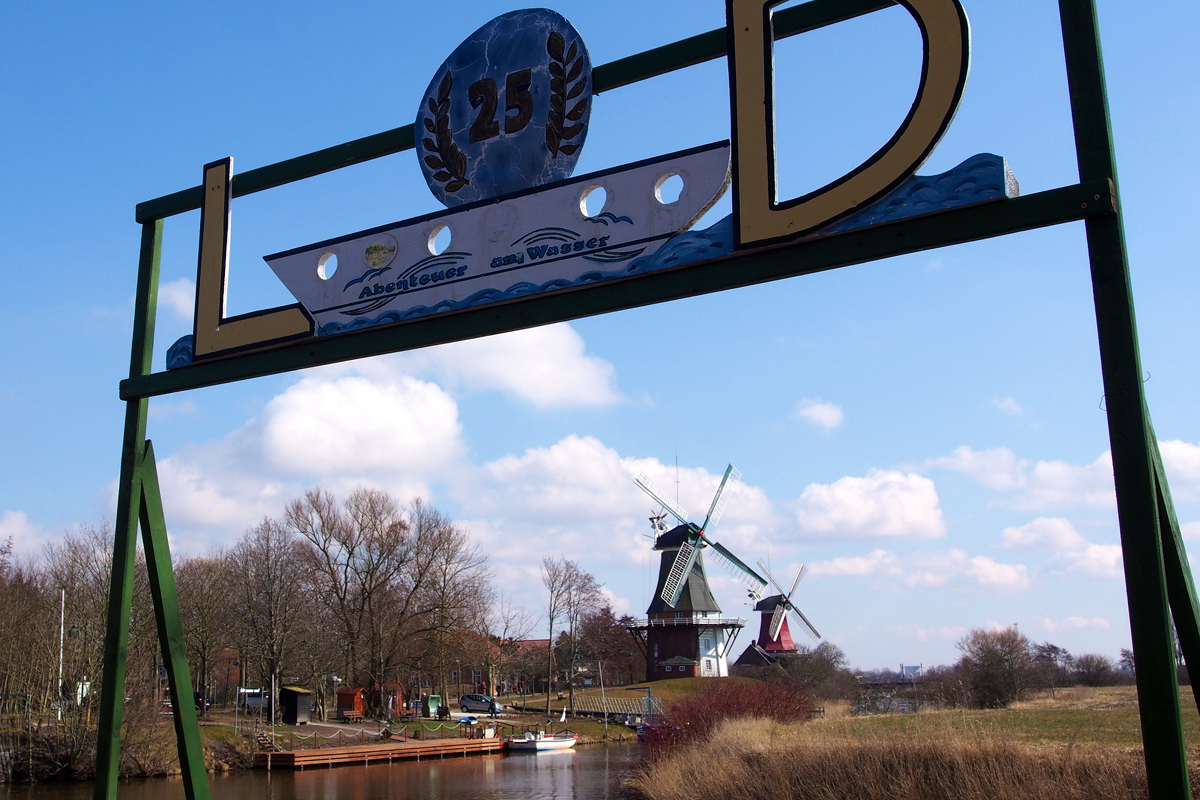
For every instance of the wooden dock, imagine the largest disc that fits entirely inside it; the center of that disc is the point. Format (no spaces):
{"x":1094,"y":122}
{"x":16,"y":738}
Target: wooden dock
{"x":375,"y":753}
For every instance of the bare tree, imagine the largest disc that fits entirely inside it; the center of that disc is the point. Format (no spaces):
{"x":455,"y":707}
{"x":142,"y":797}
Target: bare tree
{"x":355,"y":556}
{"x":582,"y":596}
{"x":266,"y":566}
{"x":556,"y":576}
{"x":446,"y":587}
{"x":1053,"y":665}
{"x":203,"y":584}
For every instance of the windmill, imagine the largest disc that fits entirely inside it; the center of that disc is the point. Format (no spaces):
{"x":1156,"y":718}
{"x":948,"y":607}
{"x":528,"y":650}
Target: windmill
{"x":693,"y":539}
{"x":782,"y":605}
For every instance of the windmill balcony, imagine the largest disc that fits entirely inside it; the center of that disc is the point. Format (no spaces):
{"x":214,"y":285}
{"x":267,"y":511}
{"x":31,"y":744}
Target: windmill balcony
{"x":703,"y":620}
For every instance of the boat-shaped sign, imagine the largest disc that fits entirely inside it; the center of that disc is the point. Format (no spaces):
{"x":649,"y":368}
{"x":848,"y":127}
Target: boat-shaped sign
{"x":525,"y":243}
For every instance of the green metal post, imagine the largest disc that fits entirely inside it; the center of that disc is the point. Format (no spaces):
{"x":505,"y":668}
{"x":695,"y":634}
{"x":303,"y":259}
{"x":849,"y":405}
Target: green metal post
{"x":129,"y":499}
{"x":1128,"y":419}
{"x":170,"y":632}
{"x":1181,"y":590}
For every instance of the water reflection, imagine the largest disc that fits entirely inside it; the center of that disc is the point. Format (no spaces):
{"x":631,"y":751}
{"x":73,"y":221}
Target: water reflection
{"x":586,"y":773}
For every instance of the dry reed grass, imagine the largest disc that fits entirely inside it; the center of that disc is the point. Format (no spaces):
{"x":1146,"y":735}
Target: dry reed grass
{"x":757,"y":759}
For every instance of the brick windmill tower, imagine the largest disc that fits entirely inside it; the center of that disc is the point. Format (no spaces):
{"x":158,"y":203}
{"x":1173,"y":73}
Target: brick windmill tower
{"x":684,"y":634}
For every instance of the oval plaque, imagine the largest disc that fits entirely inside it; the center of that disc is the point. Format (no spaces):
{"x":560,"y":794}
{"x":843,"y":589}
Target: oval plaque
{"x":508,"y":110}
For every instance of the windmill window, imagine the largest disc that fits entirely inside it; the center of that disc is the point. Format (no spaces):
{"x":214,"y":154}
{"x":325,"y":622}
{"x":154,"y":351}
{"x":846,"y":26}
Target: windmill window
{"x":678,"y":615}
{"x":668,"y":669}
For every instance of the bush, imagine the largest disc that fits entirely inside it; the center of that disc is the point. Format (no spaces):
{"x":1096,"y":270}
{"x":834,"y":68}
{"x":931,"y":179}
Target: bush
{"x":998,"y":665}
{"x":715,"y":701}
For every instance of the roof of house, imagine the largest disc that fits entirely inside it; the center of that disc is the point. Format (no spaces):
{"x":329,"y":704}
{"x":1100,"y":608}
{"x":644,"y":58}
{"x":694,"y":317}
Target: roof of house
{"x":755,"y":656}
{"x":678,"y":661}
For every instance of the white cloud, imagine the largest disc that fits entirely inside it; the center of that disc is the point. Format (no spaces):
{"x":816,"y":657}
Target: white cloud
{"x":929,"y":569}
{"x":548,"y":367}
{"x":1191,"y":530}
{"x":883,"y":504}
{"x":1008,"y":405}
{"x":1075,"y":624}
{"x":819,"y":413}
{"x":1059,"y":484}
{"x":1035,"y":486}
{"x":1094,"y":561}
{"x":998,"y":468}
{"x":1076,"y":556}
{"x":343,"y":433}
{"x":179,"y":296}
{"x":578,"y":491}
{"x":1182,"y":462}
{"x":875,"y":563}
{"x":1006,"y":577}
{"x":1047,"y":533}
{"x":322,"y":427}
{"x":27,"y":538}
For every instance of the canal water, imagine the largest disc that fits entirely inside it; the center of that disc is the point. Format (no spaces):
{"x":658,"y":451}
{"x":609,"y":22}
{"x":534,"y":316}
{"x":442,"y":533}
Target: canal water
{"x":584,"y":773}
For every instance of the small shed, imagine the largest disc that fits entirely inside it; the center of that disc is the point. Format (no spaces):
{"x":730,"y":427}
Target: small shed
{"x":351,"y":703}
{"x":296,"y":704}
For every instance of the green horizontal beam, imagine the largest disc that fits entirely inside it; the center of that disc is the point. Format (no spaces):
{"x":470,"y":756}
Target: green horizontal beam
{"x":956,"y":226}
{"x":622,"y":72}
{"x":712,"y":45}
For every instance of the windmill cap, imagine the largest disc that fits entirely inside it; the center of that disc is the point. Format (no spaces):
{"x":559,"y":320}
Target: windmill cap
{"x":674,"y":538}
{"x":769,"y":603}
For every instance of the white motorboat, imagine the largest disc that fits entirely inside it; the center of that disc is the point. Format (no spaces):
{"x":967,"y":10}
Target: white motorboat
{"x":538,"y":741}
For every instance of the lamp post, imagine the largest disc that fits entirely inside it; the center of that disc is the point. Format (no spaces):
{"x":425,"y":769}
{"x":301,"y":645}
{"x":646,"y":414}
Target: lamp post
{"x":62,"y":621}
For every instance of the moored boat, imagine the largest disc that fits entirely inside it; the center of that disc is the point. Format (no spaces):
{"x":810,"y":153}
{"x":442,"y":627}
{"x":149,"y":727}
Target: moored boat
{"x":538,"y":741}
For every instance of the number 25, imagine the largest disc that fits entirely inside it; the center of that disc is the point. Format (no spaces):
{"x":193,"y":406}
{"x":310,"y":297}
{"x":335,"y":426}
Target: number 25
{"x":517,"y":98}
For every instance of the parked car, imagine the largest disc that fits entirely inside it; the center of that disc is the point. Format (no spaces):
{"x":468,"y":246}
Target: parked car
{"x":477,"y":702}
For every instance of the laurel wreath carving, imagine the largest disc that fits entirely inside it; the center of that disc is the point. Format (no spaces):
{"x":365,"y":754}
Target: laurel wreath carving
{"x":566,"y":84}
{"x":444,"y":155}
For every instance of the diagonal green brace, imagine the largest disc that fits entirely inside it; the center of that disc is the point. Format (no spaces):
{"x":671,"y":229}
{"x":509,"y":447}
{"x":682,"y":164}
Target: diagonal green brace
{"x":1181,"y":590}
{"x":170,"y":632}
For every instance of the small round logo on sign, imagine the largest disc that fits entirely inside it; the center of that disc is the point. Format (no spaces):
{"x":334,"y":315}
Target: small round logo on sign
{"x":508,"y":110}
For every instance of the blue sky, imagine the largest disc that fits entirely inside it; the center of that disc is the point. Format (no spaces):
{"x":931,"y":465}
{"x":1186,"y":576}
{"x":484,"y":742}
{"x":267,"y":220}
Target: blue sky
{"x":925,"y":432}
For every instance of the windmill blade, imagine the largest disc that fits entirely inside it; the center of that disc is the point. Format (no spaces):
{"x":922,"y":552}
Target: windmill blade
{"x":799,"y":577}
{"x":777,"y":620}
{"x":732,"y":475}
{"x":805,"y":625}
{"x":677,"y":577}
{"x":771,"y":577}
{"x":734,"y":566}
{"x":651,"y":488}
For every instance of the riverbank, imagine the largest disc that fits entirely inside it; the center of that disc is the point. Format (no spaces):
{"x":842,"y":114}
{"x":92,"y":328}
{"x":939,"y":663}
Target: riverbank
{"x":51,"y":752}
{"x":1084,"y":743}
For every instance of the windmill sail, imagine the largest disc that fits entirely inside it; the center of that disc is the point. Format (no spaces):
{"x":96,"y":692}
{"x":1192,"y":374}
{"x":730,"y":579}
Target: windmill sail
{"x":777,"y":620}
{"x":673,"y":586}
{"x":734,"y":566}
{"x":659,"y":496}
{"x":806,"y":626}
{"x":721,"y":498}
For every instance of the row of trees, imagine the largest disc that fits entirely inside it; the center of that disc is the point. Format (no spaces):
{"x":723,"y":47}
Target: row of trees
{"x":362,"y":592}
{"x":1000,"y":667}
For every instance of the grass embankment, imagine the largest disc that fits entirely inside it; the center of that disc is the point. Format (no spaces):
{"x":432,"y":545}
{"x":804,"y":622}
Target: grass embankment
{"x":1084,"y":744}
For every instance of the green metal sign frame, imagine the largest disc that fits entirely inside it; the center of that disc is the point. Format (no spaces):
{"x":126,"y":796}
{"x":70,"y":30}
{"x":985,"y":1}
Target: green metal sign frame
{"x":1158,"y":580}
